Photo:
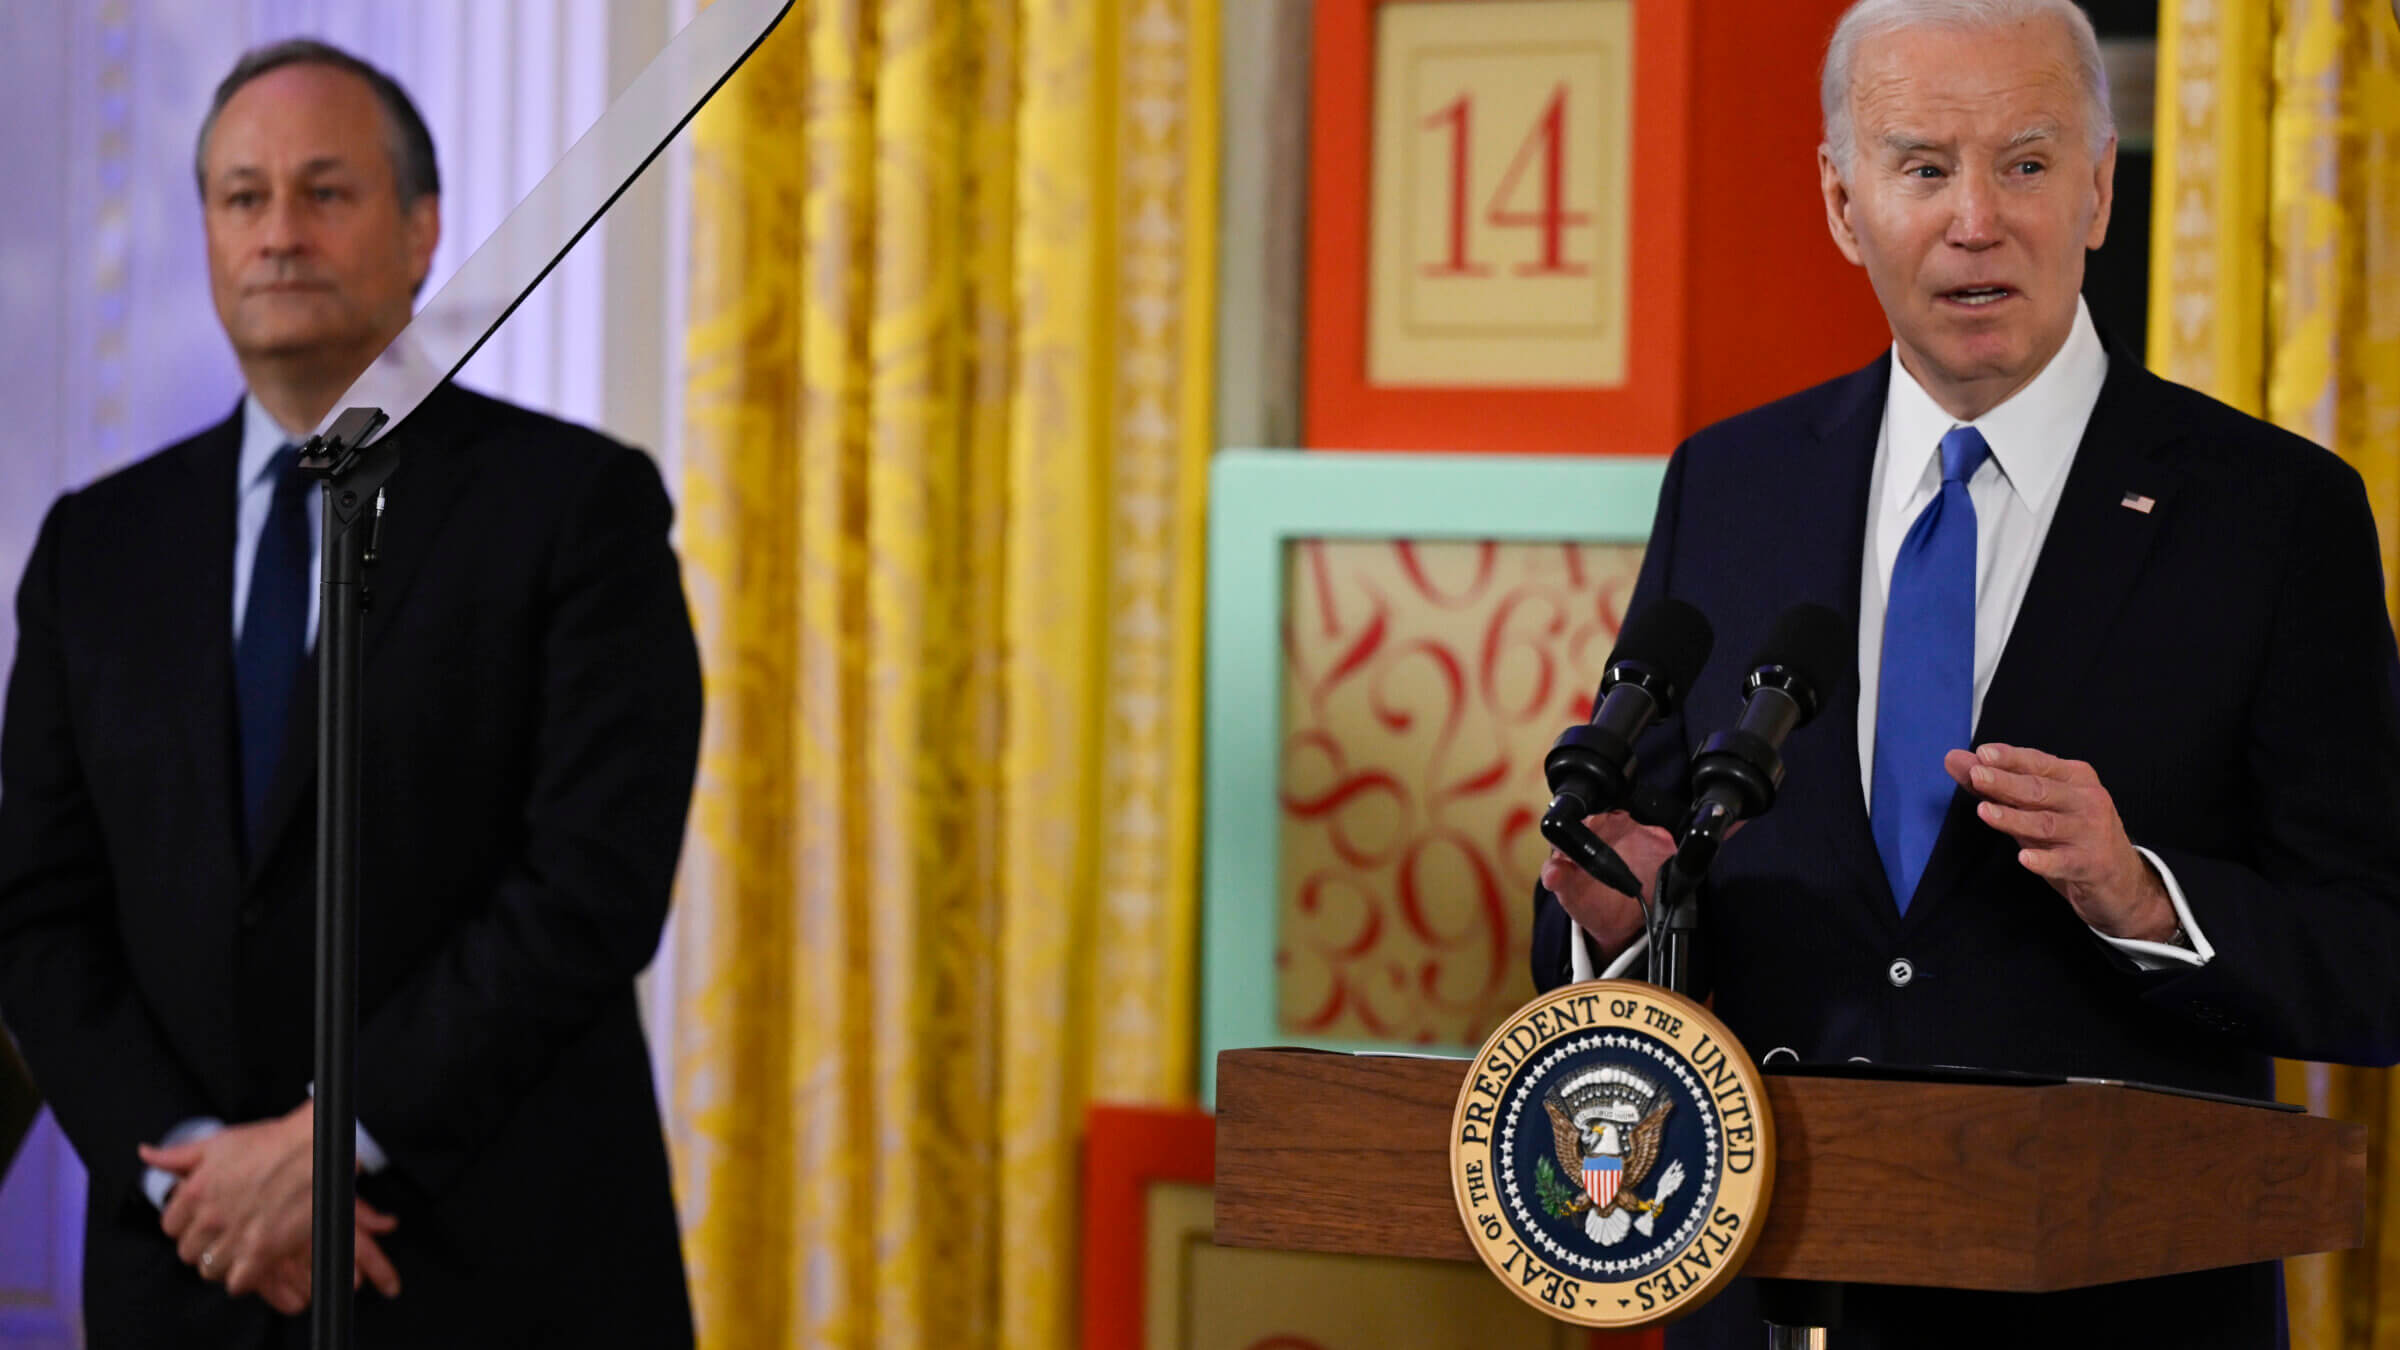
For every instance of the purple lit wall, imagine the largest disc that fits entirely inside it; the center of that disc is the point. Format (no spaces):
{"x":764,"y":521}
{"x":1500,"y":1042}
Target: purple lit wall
{"x":112,"y":349}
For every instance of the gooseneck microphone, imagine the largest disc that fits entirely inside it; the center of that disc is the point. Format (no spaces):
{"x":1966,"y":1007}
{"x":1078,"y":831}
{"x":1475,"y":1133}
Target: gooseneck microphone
{"x":1591,"y":768}
{"x":1737,"y":773}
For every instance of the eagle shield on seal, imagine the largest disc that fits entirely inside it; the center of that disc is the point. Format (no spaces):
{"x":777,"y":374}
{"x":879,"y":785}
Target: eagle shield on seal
{"x":1607,"y":1124}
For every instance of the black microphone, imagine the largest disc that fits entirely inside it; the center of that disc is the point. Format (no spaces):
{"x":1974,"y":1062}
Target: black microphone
{"x":1658,"y":656}
{"x":1736,"y":774}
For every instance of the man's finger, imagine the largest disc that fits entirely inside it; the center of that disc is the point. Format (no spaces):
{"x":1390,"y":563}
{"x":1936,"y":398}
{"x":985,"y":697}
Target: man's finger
{"x":2020,"y":759}
{"x":2030,"y":791}
{"x":248,"y":1274}
{"x":375,"y":1220}
{"x":197,"y":1241}
{"x":2043,"y":828}
{"x":1959,"y":764}
{"x":377,"y":1267}
{"x":2047,"y":863}
{"x":287,"y":1291}
{"x":183,"y":1204}
{"x":180,"y":1159}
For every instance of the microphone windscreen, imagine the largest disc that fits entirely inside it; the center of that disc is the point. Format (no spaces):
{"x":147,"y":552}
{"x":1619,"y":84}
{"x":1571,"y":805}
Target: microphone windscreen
{"x":1811,"y":641}
{"x":1670,"y":637}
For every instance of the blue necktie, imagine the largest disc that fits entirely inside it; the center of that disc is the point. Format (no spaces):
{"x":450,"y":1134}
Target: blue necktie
{"x":274,"y":635}
{"x":1925,"y":693}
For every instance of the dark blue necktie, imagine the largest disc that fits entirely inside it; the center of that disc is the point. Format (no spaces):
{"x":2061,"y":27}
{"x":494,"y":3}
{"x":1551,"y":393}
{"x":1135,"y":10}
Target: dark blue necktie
{"x":274,"y":638}
{"x":1925,"y":693}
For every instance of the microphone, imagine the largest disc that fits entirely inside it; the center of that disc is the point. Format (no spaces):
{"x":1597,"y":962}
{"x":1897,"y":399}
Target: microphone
{"x":1736,"y":774}
{"x":1590,"y":769}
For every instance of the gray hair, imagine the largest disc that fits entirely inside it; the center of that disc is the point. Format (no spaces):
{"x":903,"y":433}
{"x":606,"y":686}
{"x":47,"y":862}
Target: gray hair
{"x":1873,"y":18}
{"x":414,"y":172}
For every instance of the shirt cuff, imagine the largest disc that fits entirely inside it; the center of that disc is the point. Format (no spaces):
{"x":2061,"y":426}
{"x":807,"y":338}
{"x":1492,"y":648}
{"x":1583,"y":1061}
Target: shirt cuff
{"x":1579,"y":959}
{"x":369,"y":1153}
{"x":2166,"y":955}
{"x":159,"y":1183}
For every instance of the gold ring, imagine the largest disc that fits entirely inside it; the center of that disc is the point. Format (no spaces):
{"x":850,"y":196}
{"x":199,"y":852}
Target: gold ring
{"x":208,"y":1259}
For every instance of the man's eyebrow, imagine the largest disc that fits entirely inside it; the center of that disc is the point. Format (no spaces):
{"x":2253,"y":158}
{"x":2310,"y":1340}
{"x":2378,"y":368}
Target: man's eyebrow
{"x":1906,"y":144}
{"x":321,"y":164}
{"x":2042,"y":131}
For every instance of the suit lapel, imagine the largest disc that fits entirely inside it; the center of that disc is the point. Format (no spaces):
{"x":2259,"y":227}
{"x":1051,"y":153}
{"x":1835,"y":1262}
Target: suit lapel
{"x":2095,"y":551}
{"x":195,"y":664}
{"x":436,"y":464}
{"x":1834,"y":496}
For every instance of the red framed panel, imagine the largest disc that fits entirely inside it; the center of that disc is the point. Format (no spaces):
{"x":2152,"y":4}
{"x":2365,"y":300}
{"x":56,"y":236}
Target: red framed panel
{"x":1125,"y":1150}
{"x":1642,"y":415}
{"x":1129,"y":1149}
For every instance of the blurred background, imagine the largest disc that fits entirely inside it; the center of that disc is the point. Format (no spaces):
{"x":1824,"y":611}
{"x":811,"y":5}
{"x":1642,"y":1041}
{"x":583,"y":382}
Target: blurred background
{"x":944,"y":322}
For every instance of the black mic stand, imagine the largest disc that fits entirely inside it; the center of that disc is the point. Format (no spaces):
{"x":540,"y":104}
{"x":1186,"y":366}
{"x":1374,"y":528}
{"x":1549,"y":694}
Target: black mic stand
{"x":353,"y":477}
{"x":1798,"y":1313}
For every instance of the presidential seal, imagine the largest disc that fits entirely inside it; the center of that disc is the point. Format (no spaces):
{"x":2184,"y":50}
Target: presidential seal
{"x":1612,"y":1154}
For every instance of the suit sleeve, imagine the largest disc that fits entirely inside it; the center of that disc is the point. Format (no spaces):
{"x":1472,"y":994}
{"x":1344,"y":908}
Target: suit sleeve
{"x":1552,"y":928}
{"x":101,"y":1058}
{"x":578,"y":913}
{"x":2306,"y":925}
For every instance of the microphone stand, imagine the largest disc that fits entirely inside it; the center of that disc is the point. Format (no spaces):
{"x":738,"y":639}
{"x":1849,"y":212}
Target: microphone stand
{"x":1798,"y":1313}
{"x":353,"y":476}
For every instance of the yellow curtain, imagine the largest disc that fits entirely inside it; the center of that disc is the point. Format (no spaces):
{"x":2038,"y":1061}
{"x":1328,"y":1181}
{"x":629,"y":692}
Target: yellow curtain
{"x":2276,"y":286}
{"x":946,"y":452}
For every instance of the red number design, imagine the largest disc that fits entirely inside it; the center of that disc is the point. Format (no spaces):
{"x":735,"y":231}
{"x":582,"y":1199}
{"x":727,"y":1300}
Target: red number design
{"x":1548,"y":139}
{"x":1549,"y":135}
{"x":1460,"y":118}
{"x":1428,"y":682}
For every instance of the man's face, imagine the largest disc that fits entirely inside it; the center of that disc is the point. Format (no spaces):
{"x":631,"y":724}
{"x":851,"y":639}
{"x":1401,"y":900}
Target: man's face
{"x":1971,"y":201}
{"x":309,"y":250}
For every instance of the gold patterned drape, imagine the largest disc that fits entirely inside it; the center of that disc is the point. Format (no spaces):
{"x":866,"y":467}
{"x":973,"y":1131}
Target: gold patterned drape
{"x":946,"y":451}
{"x":2276,"y":287}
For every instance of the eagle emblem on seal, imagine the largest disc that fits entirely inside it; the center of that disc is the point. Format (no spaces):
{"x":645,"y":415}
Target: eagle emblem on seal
{"x":1607,"y":1124}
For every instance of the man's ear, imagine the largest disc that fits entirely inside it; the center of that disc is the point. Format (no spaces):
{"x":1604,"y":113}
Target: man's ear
{"x":423,"y":229}
{"x":2104,"y":190}
{"x":1837,"y":204}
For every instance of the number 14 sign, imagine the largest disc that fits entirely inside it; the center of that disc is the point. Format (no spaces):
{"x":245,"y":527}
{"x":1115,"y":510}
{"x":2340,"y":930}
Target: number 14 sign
{"x":1502,"y":136}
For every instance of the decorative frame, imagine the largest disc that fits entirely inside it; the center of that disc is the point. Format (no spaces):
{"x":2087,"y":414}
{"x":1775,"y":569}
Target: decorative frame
{"x":1126,"y":1150}
{"x":1643,"y":415}
{"x":1260,"y":500}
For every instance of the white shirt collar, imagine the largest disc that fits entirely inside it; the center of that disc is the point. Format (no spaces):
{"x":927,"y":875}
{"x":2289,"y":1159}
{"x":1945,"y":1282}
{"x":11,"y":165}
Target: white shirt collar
{"x":262,"y":436}
{"x":2033,"y":434}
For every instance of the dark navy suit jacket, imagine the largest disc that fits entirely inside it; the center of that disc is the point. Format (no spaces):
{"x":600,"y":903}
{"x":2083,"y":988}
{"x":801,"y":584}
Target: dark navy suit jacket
{"x":2226,"y":663}
{"x":531,"y":722}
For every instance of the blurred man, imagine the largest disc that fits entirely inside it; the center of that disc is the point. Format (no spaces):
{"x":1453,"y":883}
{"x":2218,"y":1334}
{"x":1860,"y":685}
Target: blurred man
{"x":2113,"y":792}
{"x":531,"y":720}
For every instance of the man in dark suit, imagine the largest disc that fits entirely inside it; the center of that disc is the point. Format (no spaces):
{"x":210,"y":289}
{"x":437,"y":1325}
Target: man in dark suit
{"x":2113,"y":787}
{"x":531,"y":718}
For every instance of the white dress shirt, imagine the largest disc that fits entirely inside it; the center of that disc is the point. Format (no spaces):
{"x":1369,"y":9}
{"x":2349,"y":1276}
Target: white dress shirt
{"x":2033,"y":436}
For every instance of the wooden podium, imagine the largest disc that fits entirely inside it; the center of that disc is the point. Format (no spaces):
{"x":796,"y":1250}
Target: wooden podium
{"x":1956,"y":1185}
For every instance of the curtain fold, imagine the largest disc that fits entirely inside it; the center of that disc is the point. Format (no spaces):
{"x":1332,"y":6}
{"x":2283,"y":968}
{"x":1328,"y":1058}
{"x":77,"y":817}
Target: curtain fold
{"x":2275,"y":286}
{"x":946,"y":449}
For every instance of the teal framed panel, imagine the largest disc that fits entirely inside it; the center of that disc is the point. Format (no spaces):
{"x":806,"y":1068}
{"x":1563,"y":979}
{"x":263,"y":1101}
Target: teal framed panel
{"x":1261,"y":501}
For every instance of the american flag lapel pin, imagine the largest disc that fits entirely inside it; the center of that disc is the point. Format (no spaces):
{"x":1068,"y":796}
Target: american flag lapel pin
{"x":2135,"y":501}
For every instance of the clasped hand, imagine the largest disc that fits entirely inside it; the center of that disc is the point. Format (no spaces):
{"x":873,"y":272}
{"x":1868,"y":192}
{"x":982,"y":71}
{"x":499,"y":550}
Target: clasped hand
{"x":240,"y":1211}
